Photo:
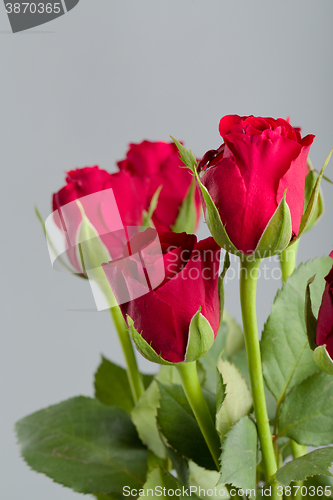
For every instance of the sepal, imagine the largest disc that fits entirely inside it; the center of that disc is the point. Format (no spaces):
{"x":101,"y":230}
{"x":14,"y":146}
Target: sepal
{"x":277,"y":234}
{"x":52,"y":246}
{"x":226,"y":266}
{"x":310,"y":182}
{"x":142,"y":345}
{"x":186,"y":156}
{"x":147,"y":216}
{"x":200,"y":338}
{"x":312,"y":204}
{"x":323,"y":359}
{"x":92,"y":252}
{"x":310,"y":319}
{"x":187,"y":217}
{"x":212,"y":215}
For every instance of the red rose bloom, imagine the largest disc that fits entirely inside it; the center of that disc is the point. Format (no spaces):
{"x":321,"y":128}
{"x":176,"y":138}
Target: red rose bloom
{"x":324,"y":330}
{"x":163,"y":315}
{"x":159,"y":162}
{"x":129,"y":192}
{"x":247,"y":176}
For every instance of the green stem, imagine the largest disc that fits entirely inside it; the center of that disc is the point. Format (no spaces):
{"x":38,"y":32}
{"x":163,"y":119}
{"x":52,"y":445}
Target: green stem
{"x":189,"y":376}
{"x":288,"y":263}
{"x":133,"y":374}
{"x":248,"y":286}
{"x":298,"y":450}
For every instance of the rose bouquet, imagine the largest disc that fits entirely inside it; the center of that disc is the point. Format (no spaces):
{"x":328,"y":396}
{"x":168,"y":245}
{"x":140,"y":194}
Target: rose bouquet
{"x":226,"y":415}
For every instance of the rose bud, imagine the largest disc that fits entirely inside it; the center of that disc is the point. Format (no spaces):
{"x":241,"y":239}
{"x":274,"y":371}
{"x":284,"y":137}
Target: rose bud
{"x":252,"y":187}
{"x":256,"y":180}
{"x":177,"y":319}
{"x":320,"y":331}
{"x":107,"y":212}
{"x":178,"y":207}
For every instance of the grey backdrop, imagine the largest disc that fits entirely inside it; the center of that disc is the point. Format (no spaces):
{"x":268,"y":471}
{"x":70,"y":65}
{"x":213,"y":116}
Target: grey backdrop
{"x":74,"y":92}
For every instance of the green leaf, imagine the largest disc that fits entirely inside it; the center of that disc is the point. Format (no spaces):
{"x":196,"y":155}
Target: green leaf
{"x":145,"y":412}
{"x":323,"y":359}
{"x":112,"y":387}
{"x":209,"y":361}
{"x":310,"y":319}
{"x":159,"y":479}
{"x":179,"y":426}
{"x":84,"y":445}
{"x":286,"y":357}
{"x":311,"y":208}
{"x":147,"y":379}
{"x":152,"y":207}
{"x":169,"y":375}
{"x":220,"y":392}
{"x":238,"y":399}
{"x":307,"y":412}
{"x":206,"y":480}
{"x":105,"y":497}
{"x":154,"y":461}
{"x":321,"y":481}
{"x":109,"y":497}
{"x":200,"y":338}
{"x":284,"y":448}
{"x":179,"y":464}
{"x":277,"y":234}
{"x":239,"y":456}
{"x":239,"y":359}
{"x":144,"y":418}
{"x":187,"y":215}
{"x":311,"y":464}
{"x":143,"y":347}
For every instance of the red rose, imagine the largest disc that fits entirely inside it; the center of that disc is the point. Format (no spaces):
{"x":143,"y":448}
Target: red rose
{"x":163,"y":315}
{"x":159,"y":162}
{"x":247,"y":176}
{"x":324,"y":330}
{"x":107,"y":217}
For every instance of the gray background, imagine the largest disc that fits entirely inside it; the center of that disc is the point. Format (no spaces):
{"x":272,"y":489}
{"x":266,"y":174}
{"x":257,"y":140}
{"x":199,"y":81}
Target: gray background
{"x":74,"y":92}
